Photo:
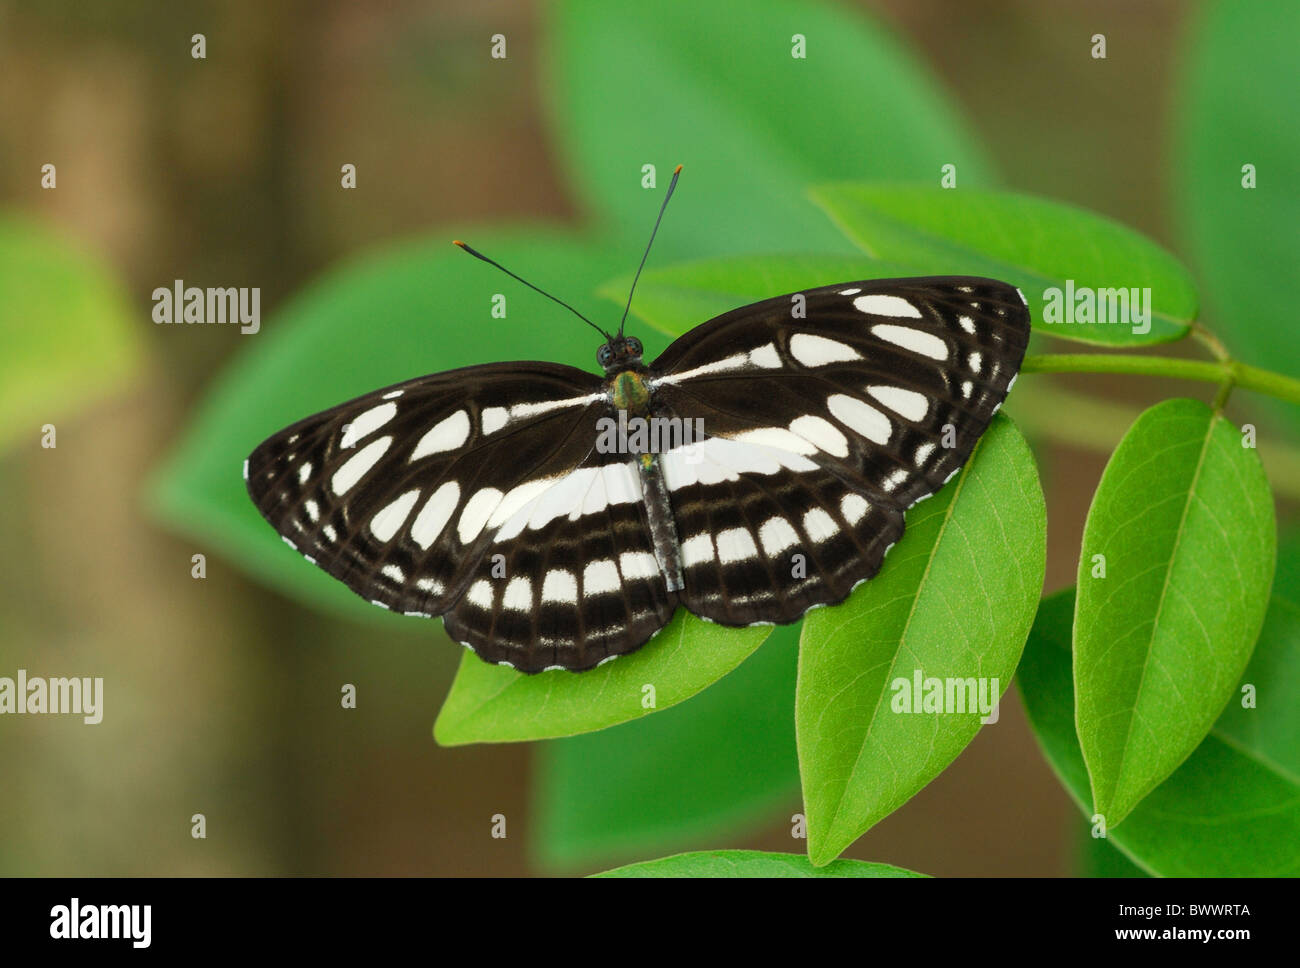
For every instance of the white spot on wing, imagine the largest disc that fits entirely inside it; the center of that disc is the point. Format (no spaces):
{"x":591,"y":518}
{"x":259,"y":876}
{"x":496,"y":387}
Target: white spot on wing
{"x":476,"y":512}
{"x":600,"y":577}
{"x":776,"y":534}
{"x":448,"y":434}
{"x":849,"y":292}
{"x":517,"y":497}
{"x":777,"y":437}
{"x":921,"y":343}
{"x":822,"y":433}
{"x":819,"y":525}
{"x":388,"y":521}
{"x":393,"y":572}
{"x":766,"y":357}
{"x":813,"y":350}
{"x":493,"y":419}
{"x":365,"y":424}
{"x":736,"y":544}
{"x":435,"y":514}
{"x":519,"y":595}
{"x":967,"y":323}
{"x":638,"y":564}
{"x":304,"y":472}
{"x":697,"y":549}
{"x":560,"y":586}
{"x":522,"y":411}
{"x":906,"y":403}
{"x":854,"y":507}
{"x":480,"y":594}
{"x":881,"y":305}
{"x":359,"y":464}
{"x":860,"y":417}
{"x":737,"y":361}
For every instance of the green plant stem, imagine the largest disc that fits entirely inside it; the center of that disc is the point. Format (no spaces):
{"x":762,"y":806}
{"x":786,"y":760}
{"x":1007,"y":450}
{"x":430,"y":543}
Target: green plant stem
{"x":1226,"y":372}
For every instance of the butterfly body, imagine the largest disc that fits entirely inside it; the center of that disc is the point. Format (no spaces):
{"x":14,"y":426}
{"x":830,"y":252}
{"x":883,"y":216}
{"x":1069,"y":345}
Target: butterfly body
{"x":486,"y":495}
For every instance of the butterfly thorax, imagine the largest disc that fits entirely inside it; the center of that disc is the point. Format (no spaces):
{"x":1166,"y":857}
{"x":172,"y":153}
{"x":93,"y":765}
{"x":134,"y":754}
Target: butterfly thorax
{"x":628,"y":391}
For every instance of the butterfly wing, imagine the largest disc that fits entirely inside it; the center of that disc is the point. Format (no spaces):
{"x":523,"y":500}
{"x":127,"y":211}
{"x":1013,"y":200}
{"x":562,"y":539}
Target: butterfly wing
{"x":829,"y":413}
{"x":478,"y":493}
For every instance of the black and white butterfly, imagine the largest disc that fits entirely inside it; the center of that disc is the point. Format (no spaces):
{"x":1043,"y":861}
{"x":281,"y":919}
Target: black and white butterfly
{"x":480,"y":495}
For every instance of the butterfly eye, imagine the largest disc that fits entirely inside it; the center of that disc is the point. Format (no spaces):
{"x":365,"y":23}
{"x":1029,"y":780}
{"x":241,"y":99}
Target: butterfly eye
{"x":603,"y":355}
{"x":634,"y":345}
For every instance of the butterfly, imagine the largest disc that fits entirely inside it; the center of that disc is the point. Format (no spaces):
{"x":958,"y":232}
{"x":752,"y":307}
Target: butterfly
{"x":513,"y":500}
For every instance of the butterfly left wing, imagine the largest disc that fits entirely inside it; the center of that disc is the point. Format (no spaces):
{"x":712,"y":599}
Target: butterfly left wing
{"x":479,"y":494}
{"x":828,"y":416}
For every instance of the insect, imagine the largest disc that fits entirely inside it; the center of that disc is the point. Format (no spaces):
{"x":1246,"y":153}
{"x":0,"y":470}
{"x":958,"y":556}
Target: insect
{"x":484,"y":494}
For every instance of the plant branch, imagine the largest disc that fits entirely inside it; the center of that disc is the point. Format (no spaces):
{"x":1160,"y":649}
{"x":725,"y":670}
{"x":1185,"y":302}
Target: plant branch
{"x":1222,"y":372}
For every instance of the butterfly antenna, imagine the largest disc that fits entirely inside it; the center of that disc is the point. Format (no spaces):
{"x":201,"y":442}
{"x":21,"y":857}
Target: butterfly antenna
{"x":492,"y":262}
{"x":671,"y":185}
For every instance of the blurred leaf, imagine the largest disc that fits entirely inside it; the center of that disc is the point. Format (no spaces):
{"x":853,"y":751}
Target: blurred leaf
{"x":1029,"y":242}
{"x":1232,"y":809}
{"x":752,"y":863}
{"x":406,"y":311}
{"x":955,"y":599}
{"x":724,"y":760}
{"x":1184,"y":519}
{"x":493,"y":704}
{"x":714,"y":87}
{"x":69,"y":332}
{"x":681,"y":297}
{"x":1238,"y":107}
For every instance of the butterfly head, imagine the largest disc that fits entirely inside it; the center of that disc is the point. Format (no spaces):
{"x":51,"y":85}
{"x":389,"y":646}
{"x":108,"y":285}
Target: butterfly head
{"x":620,"y":353}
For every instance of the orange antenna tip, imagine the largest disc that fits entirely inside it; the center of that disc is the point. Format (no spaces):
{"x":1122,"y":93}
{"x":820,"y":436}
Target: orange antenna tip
{"x":677,"y":169}
{"x":458,"y":242}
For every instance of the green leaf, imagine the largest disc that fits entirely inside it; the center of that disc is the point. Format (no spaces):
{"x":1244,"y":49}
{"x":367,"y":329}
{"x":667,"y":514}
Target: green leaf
{"x":686,"y":776}
{"x":1184,"y":519}
{"x":1233,"y":808}
{"x":752,"y":863}
{"x":1032,"y":243}
{"x":492,"y":704}
{"x":693,"y":82}
{"x":69,"y":333}
{"x":1097,"y":857}
{"x":400,"y":313}
{"x":1238,"y":107}
{"x":681,"y":297}
{"x":955,"y":599}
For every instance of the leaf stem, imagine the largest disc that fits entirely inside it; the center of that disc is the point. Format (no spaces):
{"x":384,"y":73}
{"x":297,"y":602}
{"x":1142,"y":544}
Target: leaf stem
{"x":1223,"y":372}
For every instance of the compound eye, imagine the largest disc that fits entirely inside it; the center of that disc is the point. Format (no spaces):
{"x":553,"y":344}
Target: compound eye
{"x":603,"y":356}
{"x":634,"y":345}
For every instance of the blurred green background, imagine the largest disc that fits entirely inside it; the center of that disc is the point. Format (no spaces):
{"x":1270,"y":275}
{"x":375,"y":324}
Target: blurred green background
{"x":222,"y":694}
